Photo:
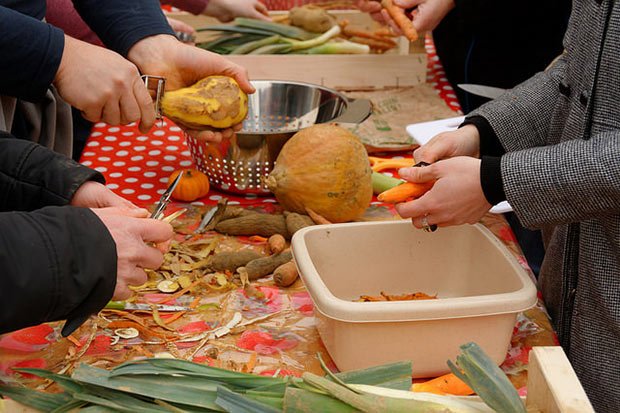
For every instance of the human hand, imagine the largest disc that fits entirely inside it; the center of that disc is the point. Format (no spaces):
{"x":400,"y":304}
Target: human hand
{"x":92,"y":194}
{"x":455,"y":198}
{"x":464,"y":141}
{"x":181,"y":27}
{"x":184,"y":65}
{"x":131,"y":232}
{"x":426,"y":16}
{"x":103,"y":85}
{"x":227,"y":10}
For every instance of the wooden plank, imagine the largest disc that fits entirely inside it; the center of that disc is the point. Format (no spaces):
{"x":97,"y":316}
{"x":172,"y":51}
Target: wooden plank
{"x":402,"y":66}
{"x":552,"y":385}
{"x":337,"y":71}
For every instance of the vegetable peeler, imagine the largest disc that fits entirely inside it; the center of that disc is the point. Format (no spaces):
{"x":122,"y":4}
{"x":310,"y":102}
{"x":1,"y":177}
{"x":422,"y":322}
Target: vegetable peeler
{"x":165,"y":198}
{"x":157,"y":85}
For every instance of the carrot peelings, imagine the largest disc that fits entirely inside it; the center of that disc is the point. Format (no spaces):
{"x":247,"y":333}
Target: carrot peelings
{"x":401,"y":20}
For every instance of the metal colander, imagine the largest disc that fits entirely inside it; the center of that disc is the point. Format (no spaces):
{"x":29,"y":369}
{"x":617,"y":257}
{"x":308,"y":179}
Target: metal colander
{"x":276,"y":112}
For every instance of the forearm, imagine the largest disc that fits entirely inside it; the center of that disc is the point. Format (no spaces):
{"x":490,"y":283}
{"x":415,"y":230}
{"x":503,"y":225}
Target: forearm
{"x":121,"y":24}
{"x":31,"y":51}
{"x":569,"y":182}
{"x":73,"y":275}
{"x":32,"y":176}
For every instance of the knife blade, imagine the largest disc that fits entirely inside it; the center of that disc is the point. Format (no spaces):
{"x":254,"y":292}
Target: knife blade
{"x":490,"y":92}
{"x":122,"y":305}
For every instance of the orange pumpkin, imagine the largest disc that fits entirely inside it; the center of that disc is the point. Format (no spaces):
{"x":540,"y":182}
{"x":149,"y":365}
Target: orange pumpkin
{"x":193,"y":185}
{"x":324,"y":168}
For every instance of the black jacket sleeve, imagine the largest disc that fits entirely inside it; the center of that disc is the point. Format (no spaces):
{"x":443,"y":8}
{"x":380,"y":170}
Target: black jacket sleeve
{"x":121,"y":23}
{"x":491,"y":151}
{"x":32,"y":176}
{"x":30,"y":53}
{"x":56,"y":263}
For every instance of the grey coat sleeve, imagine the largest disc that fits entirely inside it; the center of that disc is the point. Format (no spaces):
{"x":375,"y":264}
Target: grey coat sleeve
{"x":572,"y":181}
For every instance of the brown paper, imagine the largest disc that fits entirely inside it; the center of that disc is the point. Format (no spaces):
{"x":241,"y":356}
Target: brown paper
{"x":393,"y":110}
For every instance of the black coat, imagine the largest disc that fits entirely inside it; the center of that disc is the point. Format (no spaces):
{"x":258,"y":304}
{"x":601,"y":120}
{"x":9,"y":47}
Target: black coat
{"x":499,"y":42}
{"x":56,"y":261}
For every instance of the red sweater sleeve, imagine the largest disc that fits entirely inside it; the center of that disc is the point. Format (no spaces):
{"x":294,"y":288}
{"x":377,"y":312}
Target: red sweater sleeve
{"x":192,"y":6}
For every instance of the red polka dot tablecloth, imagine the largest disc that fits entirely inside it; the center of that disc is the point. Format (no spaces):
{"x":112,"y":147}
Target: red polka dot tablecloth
{"x":137,"y":166}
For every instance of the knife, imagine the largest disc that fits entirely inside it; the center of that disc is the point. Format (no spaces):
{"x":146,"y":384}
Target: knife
{"x":490,"y":92}
{"x":122,"y":305}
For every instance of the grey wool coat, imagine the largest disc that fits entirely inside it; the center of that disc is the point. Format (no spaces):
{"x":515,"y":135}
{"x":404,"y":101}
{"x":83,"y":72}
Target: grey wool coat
{"x":561,"y":173}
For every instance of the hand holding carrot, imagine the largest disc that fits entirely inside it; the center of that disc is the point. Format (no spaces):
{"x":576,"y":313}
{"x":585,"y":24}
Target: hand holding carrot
{"x":455,"y":198}
{"x":426,"y":15}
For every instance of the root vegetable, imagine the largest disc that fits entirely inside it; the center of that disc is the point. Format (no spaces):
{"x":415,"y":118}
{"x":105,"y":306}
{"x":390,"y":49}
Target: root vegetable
{"x":404,"y":192}
{"x":262,"y":267}
{"x":401,"y":20}
{"x":265,"y":225}
{"x":286,"y":274}
{"x":317,"y":218}
{"x":373,"y":43}
{"x":236,"y":212}
{"x":215,"y":101}
{"x":276,"y":243}
{"x":230,"y":261}
{"x":311,"y":18}
{"x":295,"y":221}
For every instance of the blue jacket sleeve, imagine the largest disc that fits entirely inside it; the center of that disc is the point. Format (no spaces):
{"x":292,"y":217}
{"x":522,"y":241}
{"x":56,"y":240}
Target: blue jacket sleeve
{"x":30,"y":53}
{"x":120,"y":23}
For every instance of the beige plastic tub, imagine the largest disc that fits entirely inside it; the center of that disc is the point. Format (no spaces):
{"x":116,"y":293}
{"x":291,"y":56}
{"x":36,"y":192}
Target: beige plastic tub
{"x":480,"y":287}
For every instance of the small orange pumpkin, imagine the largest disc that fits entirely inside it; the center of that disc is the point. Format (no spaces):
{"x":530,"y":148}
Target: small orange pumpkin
{"x":193,"y":185}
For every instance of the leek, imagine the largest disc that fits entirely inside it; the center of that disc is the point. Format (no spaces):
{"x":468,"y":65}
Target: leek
{"x":248,"y":47}
{"x":271,"y":27}
{"x":333,"y":47}
{"x":306,"y":44}
{"x":453,"y":403}
{"x":375,"y":403}
{"x":480,"y":373}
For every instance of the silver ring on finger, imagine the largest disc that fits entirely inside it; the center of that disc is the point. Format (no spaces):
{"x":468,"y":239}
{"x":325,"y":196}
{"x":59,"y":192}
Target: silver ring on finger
{"x":426,"y":226}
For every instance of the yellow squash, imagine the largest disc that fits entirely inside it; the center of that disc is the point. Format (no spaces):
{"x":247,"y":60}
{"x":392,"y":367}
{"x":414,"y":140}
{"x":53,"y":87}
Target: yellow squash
{"x":215,"y":101}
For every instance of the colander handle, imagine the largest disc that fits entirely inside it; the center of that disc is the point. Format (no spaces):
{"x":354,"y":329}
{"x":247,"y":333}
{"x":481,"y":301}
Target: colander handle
{"x":358,"y":110}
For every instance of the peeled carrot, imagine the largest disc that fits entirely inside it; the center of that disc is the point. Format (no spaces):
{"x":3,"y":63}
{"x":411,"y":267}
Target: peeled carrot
{"x":404,"y":192}
{"x":401,"y":20}
{"x":446,"y":384}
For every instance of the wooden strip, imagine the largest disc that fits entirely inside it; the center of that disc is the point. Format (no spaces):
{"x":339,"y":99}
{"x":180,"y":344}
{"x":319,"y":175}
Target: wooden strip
{"x":553,"y":386}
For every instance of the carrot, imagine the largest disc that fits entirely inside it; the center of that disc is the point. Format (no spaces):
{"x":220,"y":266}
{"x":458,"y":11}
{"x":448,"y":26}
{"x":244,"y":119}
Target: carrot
{"x":446,"y":384}
{"x":404,"y":191}
{"x":257,"y":238}
{"x":74,"y":341}
{"x":353,"y":32}
{"x":316,"y":217}
{"x":401,"y":20}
